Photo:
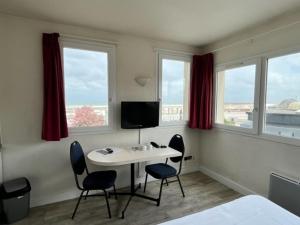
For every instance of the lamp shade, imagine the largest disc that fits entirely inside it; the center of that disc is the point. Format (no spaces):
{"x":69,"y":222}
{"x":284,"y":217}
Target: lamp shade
{"x":142,"y":80}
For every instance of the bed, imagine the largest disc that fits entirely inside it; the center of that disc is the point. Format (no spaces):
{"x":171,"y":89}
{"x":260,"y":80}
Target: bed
{"x":248,"y":210}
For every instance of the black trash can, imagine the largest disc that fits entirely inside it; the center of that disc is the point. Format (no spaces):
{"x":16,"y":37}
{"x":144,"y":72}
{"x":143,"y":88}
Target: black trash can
{"x":15,"y":199}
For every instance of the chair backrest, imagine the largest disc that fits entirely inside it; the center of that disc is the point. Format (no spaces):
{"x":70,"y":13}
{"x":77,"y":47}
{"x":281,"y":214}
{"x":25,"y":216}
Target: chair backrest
{"x":176,"y":143}
{"x":77,"y":158}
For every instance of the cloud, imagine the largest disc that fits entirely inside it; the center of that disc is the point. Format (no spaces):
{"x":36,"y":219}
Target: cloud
{"x":239,"y":85}
{"x":283,"y":78}
{"x":86,"y":77}
{"x":173,"y":81}
{"x":283,"y":81}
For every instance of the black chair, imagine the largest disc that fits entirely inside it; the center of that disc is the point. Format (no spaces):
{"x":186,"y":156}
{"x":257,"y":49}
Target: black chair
{"x":163,"y":171}
{"x":99,"y":180}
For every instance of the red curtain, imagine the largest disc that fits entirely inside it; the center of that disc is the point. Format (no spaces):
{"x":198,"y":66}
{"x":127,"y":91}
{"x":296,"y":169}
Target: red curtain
{"x":54,"y":114}
{"x":201,"y":92}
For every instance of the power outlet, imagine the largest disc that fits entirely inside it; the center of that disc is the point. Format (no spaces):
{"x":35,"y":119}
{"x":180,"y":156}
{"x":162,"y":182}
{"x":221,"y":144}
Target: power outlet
{"x":186,"y":158}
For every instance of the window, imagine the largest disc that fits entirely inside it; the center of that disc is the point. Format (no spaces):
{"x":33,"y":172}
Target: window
{"x":174,"y":74}
{"x":282,"y":101}
{"x":88,"y":73}
{"x":236,"y":105}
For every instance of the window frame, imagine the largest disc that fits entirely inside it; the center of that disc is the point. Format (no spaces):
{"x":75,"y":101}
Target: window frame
{"x":256,"y":100}
{"x":110,"y":49}
{"x":263,"y":57}
{"x":171,"y":56}
{"x":267,"y":136}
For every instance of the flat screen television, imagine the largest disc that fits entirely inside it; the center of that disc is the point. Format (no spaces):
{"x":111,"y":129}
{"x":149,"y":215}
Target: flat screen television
{"x":136,"y":115}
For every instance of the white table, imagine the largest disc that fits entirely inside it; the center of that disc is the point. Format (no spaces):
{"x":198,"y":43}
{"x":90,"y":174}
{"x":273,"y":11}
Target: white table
{"x":124,"y":156}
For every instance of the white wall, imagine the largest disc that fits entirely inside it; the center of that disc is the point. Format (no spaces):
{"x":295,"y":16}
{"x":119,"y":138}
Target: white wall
{"x":46,"y":164}
{"x":246,"y":160}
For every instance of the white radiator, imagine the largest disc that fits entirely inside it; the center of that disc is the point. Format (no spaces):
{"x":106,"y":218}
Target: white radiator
{"x":285,"y":192}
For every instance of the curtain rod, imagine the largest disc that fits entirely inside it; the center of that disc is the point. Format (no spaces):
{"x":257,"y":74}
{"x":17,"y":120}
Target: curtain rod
{"x":83,"y":38}
{"x":252,"y":38}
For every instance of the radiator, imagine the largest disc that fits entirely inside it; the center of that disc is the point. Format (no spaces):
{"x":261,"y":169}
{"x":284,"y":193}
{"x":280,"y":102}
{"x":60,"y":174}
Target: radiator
{"x":285,"y":192}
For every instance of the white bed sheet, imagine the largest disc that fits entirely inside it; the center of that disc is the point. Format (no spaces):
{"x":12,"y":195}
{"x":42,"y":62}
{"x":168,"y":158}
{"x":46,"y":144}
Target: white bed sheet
{"x":248,"y":210}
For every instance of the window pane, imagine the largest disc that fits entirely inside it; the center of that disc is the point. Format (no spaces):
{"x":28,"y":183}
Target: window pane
{"x":175,"y":86}
{"x":235,"y":96}
{"x":86,"y":87}
{"x":283,"y":96}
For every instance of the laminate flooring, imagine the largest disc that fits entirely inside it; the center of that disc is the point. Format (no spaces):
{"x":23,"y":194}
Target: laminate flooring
{"x":202,"y":192}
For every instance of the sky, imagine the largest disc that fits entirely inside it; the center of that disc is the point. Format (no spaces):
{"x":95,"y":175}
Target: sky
{"x":86,"y":79}
{"x":173,"y":81}
{"x":283,"y":78}
{"x":283,"y":81}
{"x":239,"y":85}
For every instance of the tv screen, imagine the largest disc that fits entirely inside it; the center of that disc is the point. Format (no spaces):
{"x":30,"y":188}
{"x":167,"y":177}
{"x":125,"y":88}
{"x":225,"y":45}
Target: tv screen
{"x":139,"y":114}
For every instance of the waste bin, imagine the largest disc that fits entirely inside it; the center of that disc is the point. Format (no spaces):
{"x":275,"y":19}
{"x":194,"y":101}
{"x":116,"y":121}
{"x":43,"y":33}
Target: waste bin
{"x":15,"y":199}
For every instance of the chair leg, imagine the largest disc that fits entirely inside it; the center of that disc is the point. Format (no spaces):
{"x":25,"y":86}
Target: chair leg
{"x":160,"y":190}
{"x":180,"y":186}
{"x":145,"y":182}
{"x":167,"y":182}
{"x":116,"y":197}
{"x":87,"y":192}
{"x":75,"y":210}
{"x":107,"y":203}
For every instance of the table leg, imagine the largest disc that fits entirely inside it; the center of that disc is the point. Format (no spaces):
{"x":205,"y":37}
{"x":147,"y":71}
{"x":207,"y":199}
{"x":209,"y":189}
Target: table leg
{"x":132,"y":178}
{"x":133,"y":190}
{"x":124,"y":210}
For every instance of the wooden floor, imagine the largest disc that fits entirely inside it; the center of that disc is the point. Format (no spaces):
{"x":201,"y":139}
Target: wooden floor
{"x":201,"y":192}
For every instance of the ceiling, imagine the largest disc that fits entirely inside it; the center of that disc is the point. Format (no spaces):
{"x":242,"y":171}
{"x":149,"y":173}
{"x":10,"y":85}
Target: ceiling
{"x":193,"y":22}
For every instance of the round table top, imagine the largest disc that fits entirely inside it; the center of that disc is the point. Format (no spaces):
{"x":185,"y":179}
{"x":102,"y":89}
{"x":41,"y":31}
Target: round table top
{"x":123,"y":156}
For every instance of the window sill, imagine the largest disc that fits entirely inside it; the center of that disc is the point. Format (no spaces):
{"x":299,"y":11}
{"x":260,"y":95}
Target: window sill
{"x":266,"y":137}
{"x":173,"y":124}
{"x":90,"y":131}
{"x":236,"y":129}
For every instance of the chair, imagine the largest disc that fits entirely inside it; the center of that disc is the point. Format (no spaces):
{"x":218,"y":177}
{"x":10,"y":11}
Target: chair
{"x":163,"y":171}
{"x":99,"y":180}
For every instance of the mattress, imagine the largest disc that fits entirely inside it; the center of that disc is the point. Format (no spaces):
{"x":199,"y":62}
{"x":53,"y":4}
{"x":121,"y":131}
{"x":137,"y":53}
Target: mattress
{"x":248,"y":210}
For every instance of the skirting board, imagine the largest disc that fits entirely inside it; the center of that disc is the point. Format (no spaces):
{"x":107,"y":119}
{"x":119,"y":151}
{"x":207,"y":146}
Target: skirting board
{"x":74,"y":194}
{"x":45,"y":200}
{"x":227,"y":182}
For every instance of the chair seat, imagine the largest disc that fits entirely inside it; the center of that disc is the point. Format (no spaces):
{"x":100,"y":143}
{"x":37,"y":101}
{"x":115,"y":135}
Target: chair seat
{"x":99,"y":180}
{"x":161,"y":170}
